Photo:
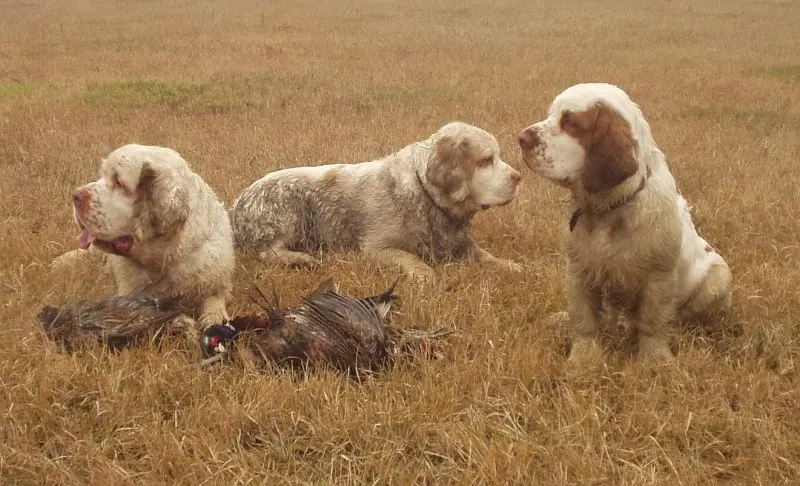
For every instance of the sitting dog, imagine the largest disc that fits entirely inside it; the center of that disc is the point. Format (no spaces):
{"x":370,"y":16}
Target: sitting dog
{"x":631,"y":239}
{"x":412,"y":208}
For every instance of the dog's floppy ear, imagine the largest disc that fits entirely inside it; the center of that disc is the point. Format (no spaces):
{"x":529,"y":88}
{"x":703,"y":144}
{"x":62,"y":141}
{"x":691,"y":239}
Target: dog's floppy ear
{"x":166,"y":201}
{"x":610,"y":159}
{"x":446,"y":169}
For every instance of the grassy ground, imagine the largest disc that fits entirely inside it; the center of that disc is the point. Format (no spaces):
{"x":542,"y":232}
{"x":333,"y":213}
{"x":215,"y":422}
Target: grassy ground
{"x":241,"y":88}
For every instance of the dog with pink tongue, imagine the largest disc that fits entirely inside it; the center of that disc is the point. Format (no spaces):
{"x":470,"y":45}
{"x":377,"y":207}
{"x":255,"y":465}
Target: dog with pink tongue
{"x":159,"y":226}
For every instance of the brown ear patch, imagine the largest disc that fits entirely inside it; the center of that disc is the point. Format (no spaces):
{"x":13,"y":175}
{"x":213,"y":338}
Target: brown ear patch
{"x":608,"y":141}
{"x":446,"y":169}
{"x":165,"y":200}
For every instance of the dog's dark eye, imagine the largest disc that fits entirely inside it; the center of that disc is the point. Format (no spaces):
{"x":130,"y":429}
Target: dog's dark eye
{"x":486,"y":161}
{"x":568,"y":122}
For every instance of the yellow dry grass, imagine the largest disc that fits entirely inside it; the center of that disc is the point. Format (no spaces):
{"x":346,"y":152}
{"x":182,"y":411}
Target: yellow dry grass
{"x":241,"y":88}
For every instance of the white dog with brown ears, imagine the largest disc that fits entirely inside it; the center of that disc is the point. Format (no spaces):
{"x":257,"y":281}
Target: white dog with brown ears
{"x":631,"y":242}
{"x":412,"y":208}
{"x":158,"y":225}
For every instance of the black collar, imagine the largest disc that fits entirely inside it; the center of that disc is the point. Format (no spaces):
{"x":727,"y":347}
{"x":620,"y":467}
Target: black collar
{"x":576,"y":215}
{"x":453,"y":218}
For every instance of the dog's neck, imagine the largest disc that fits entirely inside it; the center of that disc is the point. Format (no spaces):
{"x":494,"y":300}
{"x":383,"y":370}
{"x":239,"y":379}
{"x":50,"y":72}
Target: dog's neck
{"x":596,"y":207}
{"x":450,"y":215}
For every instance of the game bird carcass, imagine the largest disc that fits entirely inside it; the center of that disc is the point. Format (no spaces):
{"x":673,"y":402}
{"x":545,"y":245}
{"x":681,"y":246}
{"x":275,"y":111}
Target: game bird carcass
{"x":351,"y":335}
{"x":348,"y":334}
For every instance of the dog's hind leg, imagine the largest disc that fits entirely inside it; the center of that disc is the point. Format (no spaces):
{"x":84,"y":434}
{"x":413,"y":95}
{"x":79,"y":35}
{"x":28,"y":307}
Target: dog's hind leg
{"x":278,"y":252}
{"x":713,"y":297}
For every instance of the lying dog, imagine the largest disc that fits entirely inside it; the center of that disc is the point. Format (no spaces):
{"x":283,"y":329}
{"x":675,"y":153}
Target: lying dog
{"x":413,"y":208}
{"x":631,"y":238}
{"x":160,"y":226}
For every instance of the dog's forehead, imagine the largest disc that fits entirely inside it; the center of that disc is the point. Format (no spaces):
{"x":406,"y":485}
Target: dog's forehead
{"x":582,"y":97}
{"x":482,"y":140}
{"x":127,"y":162}
{"x":465,"y":130}
{"x":481,"y":149}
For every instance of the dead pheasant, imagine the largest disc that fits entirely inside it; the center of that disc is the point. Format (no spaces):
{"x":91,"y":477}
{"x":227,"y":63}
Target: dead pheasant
{"x":349,"y":334}
{"x":119,"y":322}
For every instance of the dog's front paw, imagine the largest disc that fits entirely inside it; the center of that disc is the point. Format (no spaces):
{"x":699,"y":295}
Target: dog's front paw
{"x":75,"y":258}
{"x":303,"y":262}
{"x":654,"y":350}
{"x":420,"y":273}
{"x":63,"y":261}
{"x":212,"y":318}
{"x":291,"y":259}
{"x":214,"y":312}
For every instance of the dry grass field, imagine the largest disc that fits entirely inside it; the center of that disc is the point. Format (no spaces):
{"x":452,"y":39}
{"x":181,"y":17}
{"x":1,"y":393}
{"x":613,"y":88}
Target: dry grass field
{"x":243,"y":87}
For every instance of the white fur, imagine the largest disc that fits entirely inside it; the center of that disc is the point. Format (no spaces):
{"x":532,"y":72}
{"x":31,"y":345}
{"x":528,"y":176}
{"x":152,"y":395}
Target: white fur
{"x":645,"y":251}
{"x":181,"y":236}
{"x":492,"y":185}
{"x":560,"y":157}
{"x":413,"y":207}
{"x":697,"y":256}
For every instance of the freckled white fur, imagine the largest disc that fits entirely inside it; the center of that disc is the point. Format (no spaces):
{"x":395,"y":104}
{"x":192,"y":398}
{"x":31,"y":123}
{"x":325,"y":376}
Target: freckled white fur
{"x":193,"y":258}
{"x":489,"y":186}
{"x":561,"y":156}
{"x":647,"y":252}
{"x":382,"y":207}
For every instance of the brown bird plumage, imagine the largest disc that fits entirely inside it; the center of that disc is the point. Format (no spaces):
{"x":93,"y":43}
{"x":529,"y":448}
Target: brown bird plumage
{"x":119,"y":322}
{"x":353,"y":335}
{"x":349,"y":334}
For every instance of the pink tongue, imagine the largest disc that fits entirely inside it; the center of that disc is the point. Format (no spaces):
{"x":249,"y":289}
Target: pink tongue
{"x":85,"y":240}
{"x":124,"y":243}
